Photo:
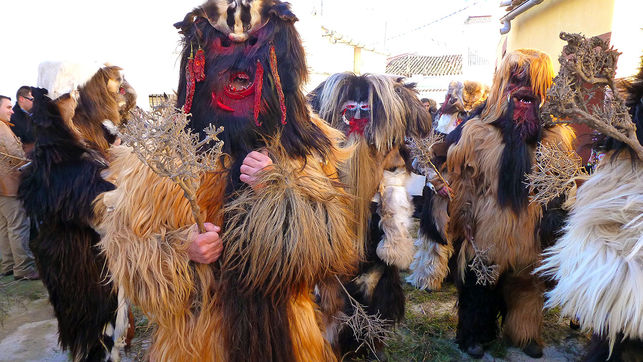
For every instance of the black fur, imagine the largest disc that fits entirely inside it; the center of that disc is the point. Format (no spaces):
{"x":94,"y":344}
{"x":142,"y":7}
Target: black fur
{"x":387,"y":298}
{"x":57,"y":190}
{"x":478,"y":310}
{"x":427,"y":221}
{"x":625,"y":350}
{"x":515,"y":164}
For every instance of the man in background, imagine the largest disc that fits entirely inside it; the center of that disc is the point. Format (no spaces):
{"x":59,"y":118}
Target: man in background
{"x":21,"y":119}
{"x":14,"y":224}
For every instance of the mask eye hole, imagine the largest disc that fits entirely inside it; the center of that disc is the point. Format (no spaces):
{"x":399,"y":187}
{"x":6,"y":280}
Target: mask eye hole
{"x":365,"y":107}
{"x":351,"y":107}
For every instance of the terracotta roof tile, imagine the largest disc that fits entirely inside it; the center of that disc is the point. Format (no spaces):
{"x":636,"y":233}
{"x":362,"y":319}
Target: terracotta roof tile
{"x":409,"y":65}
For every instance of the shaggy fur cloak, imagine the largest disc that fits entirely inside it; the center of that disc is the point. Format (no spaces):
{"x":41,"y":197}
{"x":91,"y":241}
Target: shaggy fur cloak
{"x":57,"y":190}
{"x":490,"y":217}
{"x":598,"y":262}
{"x":256,"y":302}
{"x":376,"y":113}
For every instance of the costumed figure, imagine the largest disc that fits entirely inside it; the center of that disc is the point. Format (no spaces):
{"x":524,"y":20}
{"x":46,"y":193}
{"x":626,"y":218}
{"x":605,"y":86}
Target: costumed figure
{"x":431,"y":261}
{"x":242,"y":68}
{"x":376,"y":113}
{"x":598,"y":262}
{"x":58,"y":189}
{"x":461,"y":99}
{"x":496,"y":232}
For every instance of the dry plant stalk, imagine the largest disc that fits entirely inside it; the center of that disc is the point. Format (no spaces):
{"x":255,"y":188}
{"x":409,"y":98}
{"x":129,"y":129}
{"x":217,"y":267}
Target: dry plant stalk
{"x":485,"y":274}
{"x":367,"y":329}
{"x":162,"y":141}
{"x":9,"y":162}
{"x":422,"y":150}
{"x":554,"y":172}
{"x":587,"y":70}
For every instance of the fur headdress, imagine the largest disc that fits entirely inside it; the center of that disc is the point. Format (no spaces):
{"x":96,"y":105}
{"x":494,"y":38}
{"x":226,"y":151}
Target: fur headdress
{"x":531,"y":64}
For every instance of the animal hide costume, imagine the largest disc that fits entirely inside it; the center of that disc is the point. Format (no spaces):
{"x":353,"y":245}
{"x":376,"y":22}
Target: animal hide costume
{"x":243,"y":66}
{"x":58,"y":189}
{"x":598,"y":262}
{"x":376,"y":113}
{"x":461,"y":99}
{"x":493,"y":226}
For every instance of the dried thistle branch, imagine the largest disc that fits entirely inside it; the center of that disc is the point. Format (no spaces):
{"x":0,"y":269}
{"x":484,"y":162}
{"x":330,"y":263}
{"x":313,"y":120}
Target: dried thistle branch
{"x":368,"y":329}
{"x":162,"y":141}
{"x":553,"y":173}
{"x":10,"y":162}
{"x":422,"y":150}
{"x":485,"y":274}
{"x":587,"y":69}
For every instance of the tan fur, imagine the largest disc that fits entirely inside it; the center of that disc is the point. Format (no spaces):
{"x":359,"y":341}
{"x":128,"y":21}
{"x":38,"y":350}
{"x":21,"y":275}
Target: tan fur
{"x":144,"y":230}
{"x":473,"y":95}
{"x":598,"y":263}
{"x":99,"y":101}
{"x":523,"y":293}
{"x":510,"y":238}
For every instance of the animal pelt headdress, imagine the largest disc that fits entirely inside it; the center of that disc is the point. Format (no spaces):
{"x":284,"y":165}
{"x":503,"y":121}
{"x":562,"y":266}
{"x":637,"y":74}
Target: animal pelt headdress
{"x":598,"y":262}
{"x":57,"y":190}
{"x":242,"y":68}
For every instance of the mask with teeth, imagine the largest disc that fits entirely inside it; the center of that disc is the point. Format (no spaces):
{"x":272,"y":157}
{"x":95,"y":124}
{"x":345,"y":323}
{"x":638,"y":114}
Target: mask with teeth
{"x":253,"y":71}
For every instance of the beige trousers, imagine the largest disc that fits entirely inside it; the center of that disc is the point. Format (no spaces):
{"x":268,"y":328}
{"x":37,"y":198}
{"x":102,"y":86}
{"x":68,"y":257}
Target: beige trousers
{"x":14,"y":238}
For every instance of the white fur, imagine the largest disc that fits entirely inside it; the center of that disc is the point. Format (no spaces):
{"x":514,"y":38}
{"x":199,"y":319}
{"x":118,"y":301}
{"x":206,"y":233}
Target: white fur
{"x":598,"y":263}
{"x":63,"y":77}
{"x":446,"y":123}
{"x":430,"y":264}
{"x":396,"y":247}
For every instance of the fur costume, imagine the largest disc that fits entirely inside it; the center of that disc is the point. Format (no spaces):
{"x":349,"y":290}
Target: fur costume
{"x":598,"y":263}
{"x":58,"y":189}
{"x":491,"y":221}
{"x":242,"y":68}
{"x":376,"y":113}
{"x":461,"y":99}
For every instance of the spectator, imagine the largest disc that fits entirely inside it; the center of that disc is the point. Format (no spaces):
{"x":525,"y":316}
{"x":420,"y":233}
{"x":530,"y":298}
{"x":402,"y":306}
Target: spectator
{"x":14,"y":225}
{"x":21,"y":119}
{"x":431,"y":106}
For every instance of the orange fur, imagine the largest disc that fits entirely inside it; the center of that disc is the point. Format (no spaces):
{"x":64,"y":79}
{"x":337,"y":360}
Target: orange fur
{"x":145,"y":225}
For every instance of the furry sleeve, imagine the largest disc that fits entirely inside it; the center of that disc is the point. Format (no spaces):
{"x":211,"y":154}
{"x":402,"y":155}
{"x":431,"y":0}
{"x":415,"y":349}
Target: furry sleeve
{"x":598,"y":263}
{"x":144,"y":233}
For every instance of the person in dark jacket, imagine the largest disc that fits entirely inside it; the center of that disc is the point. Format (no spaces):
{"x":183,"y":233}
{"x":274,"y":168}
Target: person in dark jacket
{"x":21,"y":119}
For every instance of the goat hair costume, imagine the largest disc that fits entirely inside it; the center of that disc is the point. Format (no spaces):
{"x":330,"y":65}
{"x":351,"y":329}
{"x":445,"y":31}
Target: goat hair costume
{"x":598,"y":262}
{"x":243,"y":66}
{"x":58,"y":189}
{"x":376,"y":113}
{"x":492,"y":224}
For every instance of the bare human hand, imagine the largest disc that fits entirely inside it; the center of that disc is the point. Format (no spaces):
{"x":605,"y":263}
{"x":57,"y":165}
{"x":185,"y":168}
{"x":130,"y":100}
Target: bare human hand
{"x":252,"y":164}
{"x":207,"y":247}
